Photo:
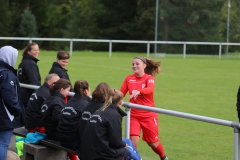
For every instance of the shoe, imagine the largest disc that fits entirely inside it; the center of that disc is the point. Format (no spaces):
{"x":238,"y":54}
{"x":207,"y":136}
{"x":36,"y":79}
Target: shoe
{"x":164,"y":158}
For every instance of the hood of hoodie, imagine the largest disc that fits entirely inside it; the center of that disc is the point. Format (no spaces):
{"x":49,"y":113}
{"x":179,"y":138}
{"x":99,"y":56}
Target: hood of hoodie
{"x":8,"y":54}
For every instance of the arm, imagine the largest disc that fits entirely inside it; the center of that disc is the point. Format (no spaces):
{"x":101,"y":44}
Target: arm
{"x":56,"y":114}
{"x":115,"y":133}
{"x":31,"y":71}
{"x":149,"y":88}
{"x":9,"y":93}
{"x":124,"y":87}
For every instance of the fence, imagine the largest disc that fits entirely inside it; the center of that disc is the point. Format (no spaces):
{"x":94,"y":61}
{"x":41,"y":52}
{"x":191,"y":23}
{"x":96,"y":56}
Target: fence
{"x":30,"y":39}
{"x":128,"y":106}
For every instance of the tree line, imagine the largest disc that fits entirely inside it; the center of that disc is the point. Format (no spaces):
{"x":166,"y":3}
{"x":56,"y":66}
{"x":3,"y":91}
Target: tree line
{"x":178,"y":20}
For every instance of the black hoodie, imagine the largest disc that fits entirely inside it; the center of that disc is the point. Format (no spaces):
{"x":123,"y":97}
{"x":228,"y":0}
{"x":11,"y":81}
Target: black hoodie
{"x":102,"y":136}
{"x":70,"y":116}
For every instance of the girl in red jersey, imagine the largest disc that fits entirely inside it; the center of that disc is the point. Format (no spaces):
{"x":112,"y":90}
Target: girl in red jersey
{"x":140,"y":86}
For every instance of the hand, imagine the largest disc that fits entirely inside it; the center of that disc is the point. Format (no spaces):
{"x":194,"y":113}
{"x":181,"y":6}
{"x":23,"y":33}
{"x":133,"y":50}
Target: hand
{"x":134,"y":95}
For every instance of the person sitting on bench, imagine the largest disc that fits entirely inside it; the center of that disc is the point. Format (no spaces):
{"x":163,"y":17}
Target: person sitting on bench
{"x":71,"y":114}
{"x":102,"y":135}
{"x":33,"y":111}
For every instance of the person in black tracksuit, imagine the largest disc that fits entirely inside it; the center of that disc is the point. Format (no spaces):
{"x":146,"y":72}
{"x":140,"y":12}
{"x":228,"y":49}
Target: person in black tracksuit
{"x":99,"y":96}
{"x":59,"y":66}
{"x":101,"y":132}
{"x":33,"y":111}
{"x":70,"y":115}
{"x":28,"y":71}
{"x":238,"y":103}
{"x":51,"y":108}
{"x":102,"y":136}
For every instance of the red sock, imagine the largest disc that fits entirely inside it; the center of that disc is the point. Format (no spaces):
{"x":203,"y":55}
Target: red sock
{"x":41,"y":129}
{"x":159,"y":150}
{"x":72,"y":156}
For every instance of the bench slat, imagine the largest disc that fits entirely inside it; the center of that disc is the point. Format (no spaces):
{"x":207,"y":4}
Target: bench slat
{"x":55,"y":144}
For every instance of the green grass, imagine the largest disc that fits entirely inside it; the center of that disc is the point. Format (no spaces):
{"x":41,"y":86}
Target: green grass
{"x":198,"y":85}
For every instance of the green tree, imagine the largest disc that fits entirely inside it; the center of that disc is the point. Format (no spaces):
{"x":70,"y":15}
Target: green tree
{"x":28,"y":25}
{"x":5,"y":18}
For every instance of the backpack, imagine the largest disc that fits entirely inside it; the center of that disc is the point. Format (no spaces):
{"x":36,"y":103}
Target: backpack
{"x":132,"y":149}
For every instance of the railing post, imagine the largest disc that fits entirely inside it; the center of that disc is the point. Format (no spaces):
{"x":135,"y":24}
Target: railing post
{"x":110,"y":48}
{"x":71,"y":46}
{"x":236,"y":143}
{"x":127,"y":120}
{"x":184,"y":50}
{"x":148,"y":49}
{"x":220,"y":50}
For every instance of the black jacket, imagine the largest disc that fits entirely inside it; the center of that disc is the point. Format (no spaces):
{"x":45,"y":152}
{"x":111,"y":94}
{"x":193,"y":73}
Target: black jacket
{"x":28,"y":73}
{"x":10,"y":99}
{"x":102,"y":136}
{"x":61,"y":72}
{"x":51,"y":112}
{"x":33,"y":111}
{"x":86,"y":115}
{"x":238,"y":99}
{"x":70,"y":116}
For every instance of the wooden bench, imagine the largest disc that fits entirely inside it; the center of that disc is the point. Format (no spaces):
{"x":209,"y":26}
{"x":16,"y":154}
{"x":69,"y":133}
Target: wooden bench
{"x":48,"y":143}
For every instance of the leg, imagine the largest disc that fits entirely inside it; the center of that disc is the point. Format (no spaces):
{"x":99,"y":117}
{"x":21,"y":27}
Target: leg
{"x":135,"y":130}
{"x":5,"y":137}
{"x":150,"y":135}
{"x":157,"y":147}
{"x":135,"y":140}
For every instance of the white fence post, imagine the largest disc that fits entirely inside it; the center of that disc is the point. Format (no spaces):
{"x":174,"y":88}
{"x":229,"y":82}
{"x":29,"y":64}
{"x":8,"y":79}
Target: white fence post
{"x":220,"y":51}
{"x":71,"y":47}
{"x":110,"y":48}
{"x":184,"y":50}
{"x":148,"y":49}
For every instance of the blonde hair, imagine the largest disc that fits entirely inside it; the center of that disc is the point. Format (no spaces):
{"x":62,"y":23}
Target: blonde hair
{"x":117,"y":96}
{"x":103,"y":93}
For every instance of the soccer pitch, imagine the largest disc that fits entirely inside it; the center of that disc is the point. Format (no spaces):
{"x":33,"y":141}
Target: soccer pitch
{"x":198,"y":85}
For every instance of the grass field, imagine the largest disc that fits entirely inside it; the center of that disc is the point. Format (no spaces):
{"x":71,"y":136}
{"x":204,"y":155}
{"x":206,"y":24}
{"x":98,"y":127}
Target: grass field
{"x":198,"y":85}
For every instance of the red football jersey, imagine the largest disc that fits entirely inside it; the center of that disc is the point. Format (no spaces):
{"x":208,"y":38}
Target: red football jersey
{"x":145,"y":85}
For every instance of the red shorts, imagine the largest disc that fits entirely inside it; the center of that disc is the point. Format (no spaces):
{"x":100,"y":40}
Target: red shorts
{"x":148,"y":125}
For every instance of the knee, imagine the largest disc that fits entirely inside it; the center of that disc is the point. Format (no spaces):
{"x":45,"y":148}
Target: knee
{"x":153,"y":144}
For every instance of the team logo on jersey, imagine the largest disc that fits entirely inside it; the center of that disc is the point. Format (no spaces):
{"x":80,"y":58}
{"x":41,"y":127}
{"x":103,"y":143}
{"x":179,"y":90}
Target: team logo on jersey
{"x":143,"y":85}
{"x":150,"y":81}
{"x":44,"y":108}
{"x":34,"y":95}
{"x":20,"y":71}
{"x":12,"y":83}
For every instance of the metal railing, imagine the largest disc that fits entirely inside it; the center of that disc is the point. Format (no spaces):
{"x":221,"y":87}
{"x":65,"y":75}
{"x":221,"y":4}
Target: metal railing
{"x":128,"y":106}
{"x":71,"y":40}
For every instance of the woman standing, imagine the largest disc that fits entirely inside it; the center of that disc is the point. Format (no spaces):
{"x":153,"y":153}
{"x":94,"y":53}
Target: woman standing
{"x":140,"y":86}
{"x":28,"y":72}
{"x":11,"y":109}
